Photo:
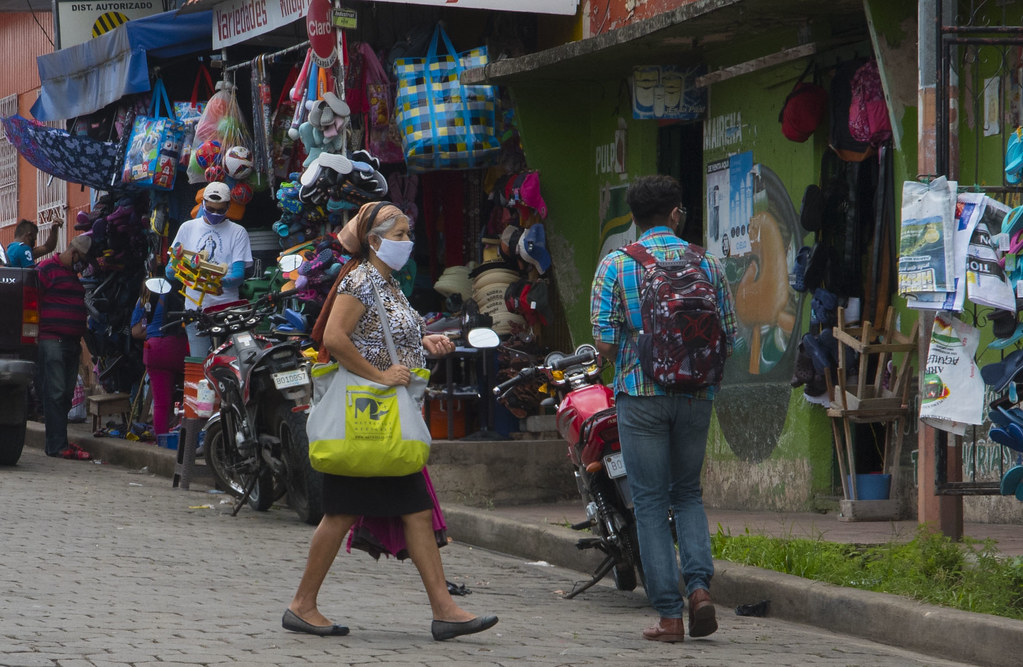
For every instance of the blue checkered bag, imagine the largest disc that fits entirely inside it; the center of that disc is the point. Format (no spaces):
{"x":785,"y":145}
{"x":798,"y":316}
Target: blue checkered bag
{"x":443,"y":124}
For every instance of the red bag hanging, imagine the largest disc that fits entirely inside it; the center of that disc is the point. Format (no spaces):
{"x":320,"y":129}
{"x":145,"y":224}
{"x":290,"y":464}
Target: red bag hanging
{"x":382,"y":138}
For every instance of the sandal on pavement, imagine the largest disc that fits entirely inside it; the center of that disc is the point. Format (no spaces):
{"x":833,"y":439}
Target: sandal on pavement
{"x":75,"y":453}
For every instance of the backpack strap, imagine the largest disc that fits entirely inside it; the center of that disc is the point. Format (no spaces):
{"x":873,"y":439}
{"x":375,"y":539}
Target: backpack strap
{"x":639,"y":252}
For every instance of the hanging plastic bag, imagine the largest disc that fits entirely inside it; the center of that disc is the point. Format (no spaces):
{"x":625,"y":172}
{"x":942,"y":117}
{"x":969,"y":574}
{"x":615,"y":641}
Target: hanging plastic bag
{"x":288,"y":154}
{"x":154,"y":146}
{"x":190,"y":112}
{"x":220,"y":128}
{"x":382,"y":136}
{"x":952,"y":394}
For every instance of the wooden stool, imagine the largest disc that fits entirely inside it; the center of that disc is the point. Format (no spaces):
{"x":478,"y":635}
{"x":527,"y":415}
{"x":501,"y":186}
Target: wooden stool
{"x":101,"y":405}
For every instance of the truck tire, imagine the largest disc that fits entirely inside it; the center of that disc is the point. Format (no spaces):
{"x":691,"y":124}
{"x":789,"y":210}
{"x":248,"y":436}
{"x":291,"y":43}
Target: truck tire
{"x":12,"y":442}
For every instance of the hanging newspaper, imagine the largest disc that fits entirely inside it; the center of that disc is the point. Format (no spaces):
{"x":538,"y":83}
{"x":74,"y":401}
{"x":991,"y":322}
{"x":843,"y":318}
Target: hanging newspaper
{"x":926,"y":252}
{"x":986,"y":282}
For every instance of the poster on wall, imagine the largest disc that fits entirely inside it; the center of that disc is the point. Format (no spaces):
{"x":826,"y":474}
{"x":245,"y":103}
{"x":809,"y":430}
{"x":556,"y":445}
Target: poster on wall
{"x":616,"y":228}
{"x":78,"y":22}
{"x":668,"y":91}
{"x":730,"y":205}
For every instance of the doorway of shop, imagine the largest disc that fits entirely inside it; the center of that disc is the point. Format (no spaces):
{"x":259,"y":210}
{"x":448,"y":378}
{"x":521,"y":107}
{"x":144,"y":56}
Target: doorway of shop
{"x":680,"y":154}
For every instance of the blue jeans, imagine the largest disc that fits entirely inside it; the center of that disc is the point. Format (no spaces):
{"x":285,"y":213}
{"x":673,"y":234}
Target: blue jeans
{"x":198,"y":346}
{"x":664,"y":439}
{"x":58,"y":368}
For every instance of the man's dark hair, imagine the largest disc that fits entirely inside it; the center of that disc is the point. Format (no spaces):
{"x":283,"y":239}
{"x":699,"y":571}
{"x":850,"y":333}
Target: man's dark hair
{"x":651,"y":198}
{"x":24,"y":228}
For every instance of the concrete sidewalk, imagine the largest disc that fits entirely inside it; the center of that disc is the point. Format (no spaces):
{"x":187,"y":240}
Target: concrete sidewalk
{"x":540,"y":532}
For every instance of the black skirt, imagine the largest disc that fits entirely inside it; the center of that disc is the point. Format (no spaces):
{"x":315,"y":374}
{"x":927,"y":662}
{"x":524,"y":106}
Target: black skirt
{"x":376,"y":496}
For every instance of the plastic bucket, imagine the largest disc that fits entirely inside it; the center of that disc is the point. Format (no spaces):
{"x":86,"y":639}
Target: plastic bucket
{"x":875,"y":486}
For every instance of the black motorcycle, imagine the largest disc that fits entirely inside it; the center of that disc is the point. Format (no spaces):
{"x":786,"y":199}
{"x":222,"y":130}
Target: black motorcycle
{"x":256,"y":444}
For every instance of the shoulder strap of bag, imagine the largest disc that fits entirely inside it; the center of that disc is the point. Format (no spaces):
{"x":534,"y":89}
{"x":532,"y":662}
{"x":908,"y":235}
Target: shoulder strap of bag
{"x":638,"y":252}
{"x":385,"y":326}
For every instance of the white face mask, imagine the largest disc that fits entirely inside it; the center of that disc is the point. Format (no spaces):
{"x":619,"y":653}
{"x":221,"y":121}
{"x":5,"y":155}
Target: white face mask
{"x":394,"y":253}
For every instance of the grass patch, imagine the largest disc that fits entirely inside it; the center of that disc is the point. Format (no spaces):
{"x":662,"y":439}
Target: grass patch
{"x":968,"y":575}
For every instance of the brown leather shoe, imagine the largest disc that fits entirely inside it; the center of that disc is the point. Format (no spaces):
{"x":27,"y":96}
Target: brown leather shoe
{"x":666,"y":630}
{"x":702,"y":618}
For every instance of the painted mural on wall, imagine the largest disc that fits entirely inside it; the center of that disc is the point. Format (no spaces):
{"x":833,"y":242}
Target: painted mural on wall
{"x":616,"y":228}
{"x":757,"y":238}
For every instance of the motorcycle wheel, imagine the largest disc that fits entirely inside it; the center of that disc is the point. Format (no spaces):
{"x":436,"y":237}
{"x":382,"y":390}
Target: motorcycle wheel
{"x":305,"y":485}
{"x":630,"y":549}
{"x":224,"y":461}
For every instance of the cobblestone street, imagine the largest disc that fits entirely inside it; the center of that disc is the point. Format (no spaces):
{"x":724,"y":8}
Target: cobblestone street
{"x":105,"y":566}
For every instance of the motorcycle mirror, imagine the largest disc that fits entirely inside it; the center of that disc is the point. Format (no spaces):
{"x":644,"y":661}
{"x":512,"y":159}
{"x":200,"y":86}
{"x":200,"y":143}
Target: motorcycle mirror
{"x":158,"y":285}
{"x":483,"y":338}
{"x":289,"y":263}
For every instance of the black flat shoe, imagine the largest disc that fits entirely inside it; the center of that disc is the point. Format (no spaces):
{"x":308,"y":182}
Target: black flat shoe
{"x":450,"y":629}
{"x":292,"y":622}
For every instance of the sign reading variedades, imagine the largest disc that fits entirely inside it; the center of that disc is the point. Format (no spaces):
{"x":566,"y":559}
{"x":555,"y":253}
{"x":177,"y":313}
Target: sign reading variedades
{"x":319,"y":24}
{"x":563,"y":7}
{"x":81,"y":21}
{"x":235,"y":21}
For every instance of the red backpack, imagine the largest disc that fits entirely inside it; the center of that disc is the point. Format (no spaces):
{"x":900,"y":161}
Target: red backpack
{"x":683,"y":345}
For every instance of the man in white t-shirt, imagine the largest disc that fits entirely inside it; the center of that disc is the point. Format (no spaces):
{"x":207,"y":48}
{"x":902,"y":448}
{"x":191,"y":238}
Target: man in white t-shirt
{"x":225,"y":242}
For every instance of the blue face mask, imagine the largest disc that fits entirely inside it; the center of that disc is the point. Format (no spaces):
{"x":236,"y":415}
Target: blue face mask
{"x":211,"y":217}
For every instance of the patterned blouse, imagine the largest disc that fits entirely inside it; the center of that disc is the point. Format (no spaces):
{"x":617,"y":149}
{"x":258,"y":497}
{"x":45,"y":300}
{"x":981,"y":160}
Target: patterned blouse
{"x":407,"y":328}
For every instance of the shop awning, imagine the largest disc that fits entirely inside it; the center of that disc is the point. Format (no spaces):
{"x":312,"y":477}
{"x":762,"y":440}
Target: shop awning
{"x":86,"y":77}
{"x":680,"y":36}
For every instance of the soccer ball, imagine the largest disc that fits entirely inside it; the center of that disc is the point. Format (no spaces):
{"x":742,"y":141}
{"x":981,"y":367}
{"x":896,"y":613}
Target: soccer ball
{"x":208,"y":153}
{"x":241,"y":193}
{"x":238,"y":162}
{"x":215,"y":173}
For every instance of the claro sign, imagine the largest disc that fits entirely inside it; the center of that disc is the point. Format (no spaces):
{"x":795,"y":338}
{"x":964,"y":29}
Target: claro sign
{"x":238,"y":20}
{"x":319,"y":25}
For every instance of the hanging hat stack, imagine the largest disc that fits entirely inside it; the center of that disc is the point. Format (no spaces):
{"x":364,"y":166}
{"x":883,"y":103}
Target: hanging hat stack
{"x":490,"y":281}
{"x":454,"y":280}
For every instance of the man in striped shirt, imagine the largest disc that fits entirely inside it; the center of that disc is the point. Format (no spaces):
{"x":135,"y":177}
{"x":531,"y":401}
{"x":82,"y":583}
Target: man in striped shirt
{"x":62,"y":322}
{"x":663,"y":434}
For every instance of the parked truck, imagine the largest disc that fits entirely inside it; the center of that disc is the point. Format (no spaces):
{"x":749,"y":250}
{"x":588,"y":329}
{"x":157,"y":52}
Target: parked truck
{"x":19,"y":335}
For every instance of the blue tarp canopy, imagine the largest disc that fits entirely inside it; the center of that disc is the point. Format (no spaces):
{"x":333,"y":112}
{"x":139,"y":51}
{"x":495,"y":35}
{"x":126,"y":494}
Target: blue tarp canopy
{"x":86,"y":77}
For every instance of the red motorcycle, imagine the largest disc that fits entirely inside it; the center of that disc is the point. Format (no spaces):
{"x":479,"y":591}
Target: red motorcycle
{"x":587,"y":420}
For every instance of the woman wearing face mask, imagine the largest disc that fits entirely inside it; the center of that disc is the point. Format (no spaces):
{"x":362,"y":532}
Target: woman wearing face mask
{"x":351,"y":330}
{"x":225,"y":242}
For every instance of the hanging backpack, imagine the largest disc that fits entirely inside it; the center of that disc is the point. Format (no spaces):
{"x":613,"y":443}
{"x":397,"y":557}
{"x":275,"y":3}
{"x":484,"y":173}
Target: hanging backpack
{"x":683,"y":345}
{"x":868,"y":112}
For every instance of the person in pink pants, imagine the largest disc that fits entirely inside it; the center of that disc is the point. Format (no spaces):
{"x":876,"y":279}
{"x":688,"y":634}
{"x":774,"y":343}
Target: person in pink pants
{"x":164,"y":353}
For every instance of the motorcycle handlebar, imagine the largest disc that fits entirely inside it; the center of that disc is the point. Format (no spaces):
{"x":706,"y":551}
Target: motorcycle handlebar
{"x":586,"y":357}
{"x":514,"y":380}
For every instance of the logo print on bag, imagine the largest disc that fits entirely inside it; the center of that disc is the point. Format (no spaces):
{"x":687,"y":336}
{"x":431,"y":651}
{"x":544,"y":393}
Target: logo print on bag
{"x":370,"y":406}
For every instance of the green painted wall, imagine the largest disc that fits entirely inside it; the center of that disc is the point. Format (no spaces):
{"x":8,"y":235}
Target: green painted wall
{"x":769,"y":447}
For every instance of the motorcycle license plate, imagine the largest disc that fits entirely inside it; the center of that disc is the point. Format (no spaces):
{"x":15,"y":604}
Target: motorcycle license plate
{"x":615,"y":465}
{"x":286,"y":379}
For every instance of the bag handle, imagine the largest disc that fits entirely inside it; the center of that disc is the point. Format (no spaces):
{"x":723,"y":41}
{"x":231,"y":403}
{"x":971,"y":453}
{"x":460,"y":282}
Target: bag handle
{"x":385,"y":325}
{"x":160,"y":95}
{"x":203,"y":75}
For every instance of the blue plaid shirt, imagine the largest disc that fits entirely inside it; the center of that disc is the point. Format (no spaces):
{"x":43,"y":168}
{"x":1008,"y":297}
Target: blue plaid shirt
{"x":615,"y":308}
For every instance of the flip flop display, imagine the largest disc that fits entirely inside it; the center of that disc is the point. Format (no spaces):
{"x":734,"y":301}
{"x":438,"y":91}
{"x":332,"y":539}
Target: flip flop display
{"x":999,"y":374}
{"x":1011,"y":481}
{"x":1014,"y":156}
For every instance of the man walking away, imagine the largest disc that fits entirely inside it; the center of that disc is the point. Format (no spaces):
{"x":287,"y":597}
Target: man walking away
{"x":664,"y":405}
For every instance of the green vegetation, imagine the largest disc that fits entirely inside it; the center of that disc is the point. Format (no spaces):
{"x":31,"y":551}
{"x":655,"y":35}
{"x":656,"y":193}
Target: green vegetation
{"x":968,"y":575}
